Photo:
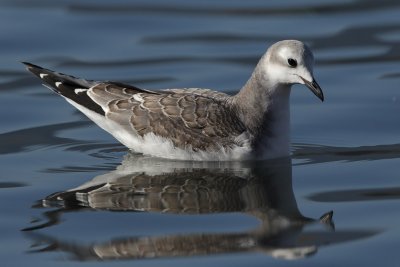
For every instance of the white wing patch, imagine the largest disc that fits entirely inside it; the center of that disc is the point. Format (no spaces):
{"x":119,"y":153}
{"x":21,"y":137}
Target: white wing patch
{"x":79,"y":91}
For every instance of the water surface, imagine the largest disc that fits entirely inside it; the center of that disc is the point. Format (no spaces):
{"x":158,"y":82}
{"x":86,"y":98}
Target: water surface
{"x":70,"y":192}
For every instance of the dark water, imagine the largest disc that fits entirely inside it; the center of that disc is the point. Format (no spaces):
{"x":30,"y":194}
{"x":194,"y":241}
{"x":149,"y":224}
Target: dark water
{"x":147,"y":212}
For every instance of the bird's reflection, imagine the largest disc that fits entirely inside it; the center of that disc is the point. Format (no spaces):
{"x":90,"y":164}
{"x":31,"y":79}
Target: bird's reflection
{"x":262,"y":189}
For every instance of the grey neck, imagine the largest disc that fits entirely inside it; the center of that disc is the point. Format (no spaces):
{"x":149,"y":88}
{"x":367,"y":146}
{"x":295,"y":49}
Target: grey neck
{"x":263,"y":107}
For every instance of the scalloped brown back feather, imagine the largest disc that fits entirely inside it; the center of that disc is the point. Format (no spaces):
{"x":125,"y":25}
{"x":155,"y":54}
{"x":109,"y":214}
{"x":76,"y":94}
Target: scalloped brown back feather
{"x":200,"y":119}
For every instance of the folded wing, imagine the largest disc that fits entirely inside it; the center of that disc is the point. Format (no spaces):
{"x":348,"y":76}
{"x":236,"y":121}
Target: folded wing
{"x":199,"y":120}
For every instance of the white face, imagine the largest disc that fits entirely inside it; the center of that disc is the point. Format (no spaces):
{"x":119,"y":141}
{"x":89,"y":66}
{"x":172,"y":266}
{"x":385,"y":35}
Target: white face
{"x":291,"y":62}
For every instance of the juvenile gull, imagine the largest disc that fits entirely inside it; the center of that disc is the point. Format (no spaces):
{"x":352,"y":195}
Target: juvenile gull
{"x":196,"y":123}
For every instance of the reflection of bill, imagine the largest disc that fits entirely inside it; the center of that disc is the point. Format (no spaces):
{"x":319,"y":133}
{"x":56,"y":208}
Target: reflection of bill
{"x":261,"y":189}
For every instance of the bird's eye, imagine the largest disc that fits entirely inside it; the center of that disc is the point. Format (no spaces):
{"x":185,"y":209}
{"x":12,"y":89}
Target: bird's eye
{"x":292,"y":62}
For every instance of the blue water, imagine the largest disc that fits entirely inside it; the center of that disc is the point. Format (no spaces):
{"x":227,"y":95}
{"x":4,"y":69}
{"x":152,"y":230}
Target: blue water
{"x":150,"y":212}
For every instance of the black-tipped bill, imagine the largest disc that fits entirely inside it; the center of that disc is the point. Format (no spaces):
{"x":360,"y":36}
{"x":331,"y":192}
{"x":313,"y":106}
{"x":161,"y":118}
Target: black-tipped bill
{"x":314,"y":87}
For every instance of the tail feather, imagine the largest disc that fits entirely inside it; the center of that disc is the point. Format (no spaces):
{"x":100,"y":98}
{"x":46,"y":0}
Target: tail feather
{"x":68,"y":86}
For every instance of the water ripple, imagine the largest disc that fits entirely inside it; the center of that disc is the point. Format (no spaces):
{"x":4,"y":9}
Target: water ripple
{"x":350,"y":7}
{"x":312,"y":154}
{"x":11,"y":185}
{"x":35,"y":137}
{"x":372,"y":194}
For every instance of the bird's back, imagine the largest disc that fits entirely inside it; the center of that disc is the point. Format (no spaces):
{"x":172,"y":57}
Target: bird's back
{"x":188,"y":123}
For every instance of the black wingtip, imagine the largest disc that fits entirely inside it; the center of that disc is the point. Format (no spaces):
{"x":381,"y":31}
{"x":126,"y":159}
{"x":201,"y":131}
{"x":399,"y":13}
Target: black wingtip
{"x":65,"y":85}
{"x":30,"y":65}
{"x":35,"y":69}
